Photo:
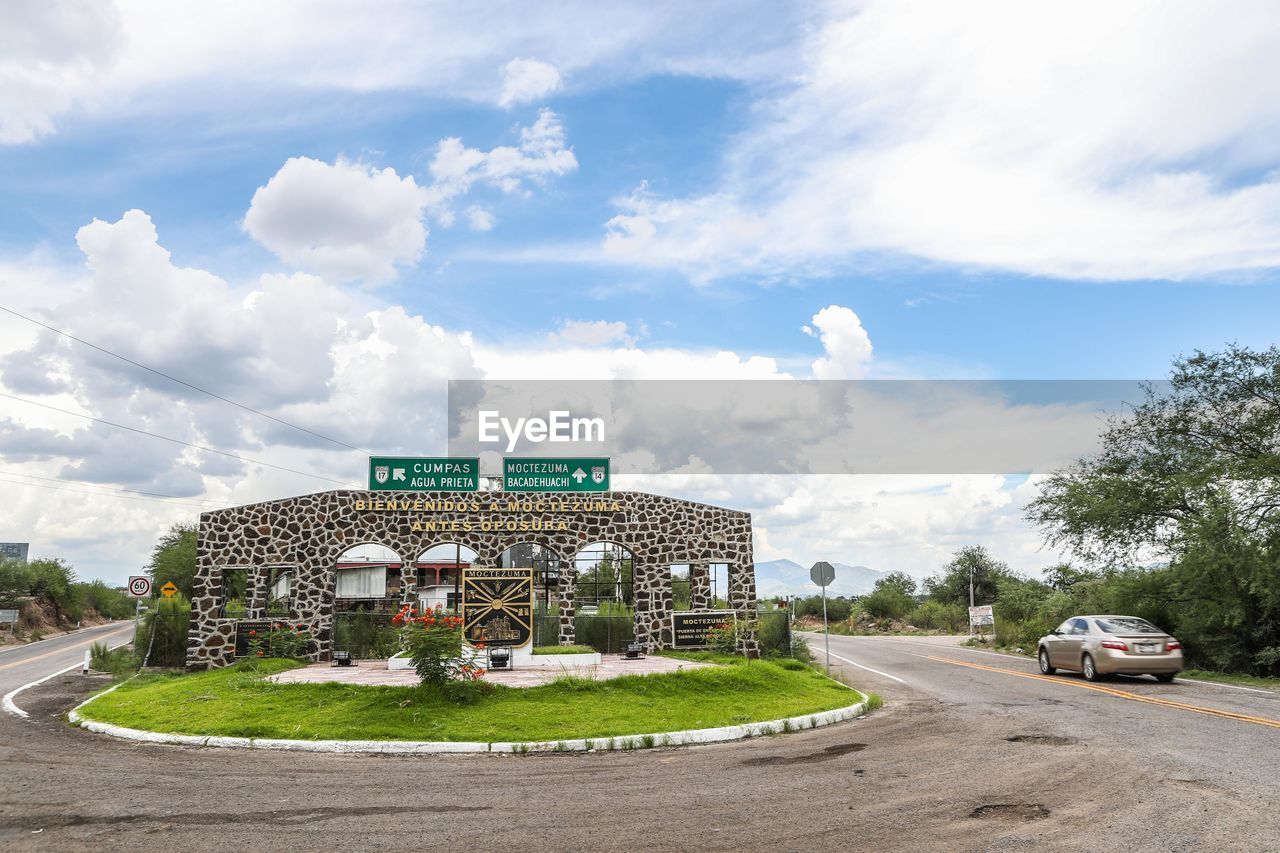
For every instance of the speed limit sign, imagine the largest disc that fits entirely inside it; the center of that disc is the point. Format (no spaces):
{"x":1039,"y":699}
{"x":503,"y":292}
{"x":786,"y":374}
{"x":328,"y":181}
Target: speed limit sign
{"x":139,"y":586}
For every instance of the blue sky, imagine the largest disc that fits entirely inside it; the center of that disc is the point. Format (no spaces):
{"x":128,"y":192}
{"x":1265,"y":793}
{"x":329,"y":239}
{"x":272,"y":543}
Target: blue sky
{"x":939,"y":320}
{"x":998,"y":192}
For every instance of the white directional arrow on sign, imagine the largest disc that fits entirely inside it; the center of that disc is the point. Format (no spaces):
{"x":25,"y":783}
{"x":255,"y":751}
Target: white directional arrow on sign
{"x":397,"y":474}
{"x":579,"y":475}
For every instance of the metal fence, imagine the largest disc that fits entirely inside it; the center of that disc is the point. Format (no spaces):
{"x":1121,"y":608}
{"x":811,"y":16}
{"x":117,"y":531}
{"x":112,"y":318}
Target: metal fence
{"x":606,"y":634}
{"x":366,"y":635}
{"x":371,"y":635}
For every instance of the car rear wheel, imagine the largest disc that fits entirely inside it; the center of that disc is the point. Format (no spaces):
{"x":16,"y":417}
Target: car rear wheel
{"x":1045,"y":666}
{"x":1164,"y":677}
{"x":1090,"y":669}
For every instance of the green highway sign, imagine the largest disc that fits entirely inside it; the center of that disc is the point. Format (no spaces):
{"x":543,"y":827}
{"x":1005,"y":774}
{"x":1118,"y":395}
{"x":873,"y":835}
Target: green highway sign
{"x":569,"y":474}
{"x":417,"y":474}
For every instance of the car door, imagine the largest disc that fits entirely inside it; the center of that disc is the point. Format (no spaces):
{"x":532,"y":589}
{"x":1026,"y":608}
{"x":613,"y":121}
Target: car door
{"x":1054,"y":644}
{"x":1072,"y":642}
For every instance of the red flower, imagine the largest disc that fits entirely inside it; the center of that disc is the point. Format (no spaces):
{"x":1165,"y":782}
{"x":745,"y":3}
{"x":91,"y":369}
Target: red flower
{"x":253,"y":633}
{"x":302,"y":627}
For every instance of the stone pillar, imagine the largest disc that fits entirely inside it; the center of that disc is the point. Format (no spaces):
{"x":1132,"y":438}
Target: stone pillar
{"x":699,"y":587}
{"x":564,"y":597}
{"x":255,"y":593}
{"x":651,"y":583}
{"x":409,"y":583}
{"x":742,"y":598}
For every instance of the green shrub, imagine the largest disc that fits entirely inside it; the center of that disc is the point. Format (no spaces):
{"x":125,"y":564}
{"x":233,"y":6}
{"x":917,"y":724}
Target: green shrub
{"x":162,"y":635}
{"x":118,"y":662}
{"x":773,"y":633}
{"x":563,"y":650}
{"x":887,"y":602}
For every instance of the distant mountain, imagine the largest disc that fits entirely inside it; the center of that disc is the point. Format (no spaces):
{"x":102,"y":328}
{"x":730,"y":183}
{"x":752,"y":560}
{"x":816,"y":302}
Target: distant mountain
{"x":787,"y":577}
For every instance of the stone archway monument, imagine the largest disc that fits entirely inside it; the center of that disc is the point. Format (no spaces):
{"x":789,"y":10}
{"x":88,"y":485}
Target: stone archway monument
{"x":302,"y":538}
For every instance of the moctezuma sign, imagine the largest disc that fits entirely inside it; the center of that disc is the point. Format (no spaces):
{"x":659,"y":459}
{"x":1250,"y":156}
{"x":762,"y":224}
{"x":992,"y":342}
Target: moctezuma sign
{"x":571,"y":474}
{"x":691,"y":629}
{"x":497,"y":606}
{"x":397,"y":474}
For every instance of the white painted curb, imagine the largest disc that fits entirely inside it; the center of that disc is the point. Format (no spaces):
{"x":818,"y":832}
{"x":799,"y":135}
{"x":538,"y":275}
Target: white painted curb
{"x":601,"y":744}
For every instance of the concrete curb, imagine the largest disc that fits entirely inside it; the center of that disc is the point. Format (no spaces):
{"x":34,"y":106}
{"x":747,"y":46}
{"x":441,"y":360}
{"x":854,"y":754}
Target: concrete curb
{"x":401,"y":747}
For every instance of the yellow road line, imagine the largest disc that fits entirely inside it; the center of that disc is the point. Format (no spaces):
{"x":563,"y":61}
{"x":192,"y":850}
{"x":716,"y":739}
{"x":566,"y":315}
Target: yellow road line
{"x":64,"y":649}
{"x":1123,"y":694}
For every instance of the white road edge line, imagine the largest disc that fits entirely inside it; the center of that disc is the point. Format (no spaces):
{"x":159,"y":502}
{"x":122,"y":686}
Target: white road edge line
{"x":1224,"y":684}
{"x":867,"y":668}
{"x":78,"y":632}
{"x":12,"y":708}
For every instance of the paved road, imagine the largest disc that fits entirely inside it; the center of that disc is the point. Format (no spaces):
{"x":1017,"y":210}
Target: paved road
{"x":22,"y":664}
{"x":935,"y":770}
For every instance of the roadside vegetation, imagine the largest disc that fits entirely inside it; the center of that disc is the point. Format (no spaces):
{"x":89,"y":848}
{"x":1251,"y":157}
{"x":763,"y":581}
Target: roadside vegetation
{"x":1175,"y":519}
{"x":237,"y":701}
{"x":49,"y":598}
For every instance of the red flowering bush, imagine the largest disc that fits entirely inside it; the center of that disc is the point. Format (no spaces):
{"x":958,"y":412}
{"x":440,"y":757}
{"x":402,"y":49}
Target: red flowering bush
{"x":433,"y":641}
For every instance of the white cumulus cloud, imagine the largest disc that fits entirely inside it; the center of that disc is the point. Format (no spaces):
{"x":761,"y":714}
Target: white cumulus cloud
{"x":525,"y":80}
{"x":1017,"y":136}
{"x":846,"y":342}
{"x":541,"y":154}
{"x":344,"y":220}
{"x":52,"y":55}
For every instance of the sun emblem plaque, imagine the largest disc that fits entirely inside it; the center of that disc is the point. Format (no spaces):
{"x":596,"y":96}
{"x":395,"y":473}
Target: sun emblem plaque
{"x":497,"y":606}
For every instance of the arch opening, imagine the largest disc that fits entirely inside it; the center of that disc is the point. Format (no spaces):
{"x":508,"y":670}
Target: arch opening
{"x":367,"y":577}
{"x":438,"y":575}
{"x":604,"y":579}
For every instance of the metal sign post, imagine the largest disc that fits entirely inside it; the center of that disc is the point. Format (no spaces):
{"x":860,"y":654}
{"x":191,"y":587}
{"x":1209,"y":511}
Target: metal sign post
{"x":823,"y":573}
{"x":139,"y":588}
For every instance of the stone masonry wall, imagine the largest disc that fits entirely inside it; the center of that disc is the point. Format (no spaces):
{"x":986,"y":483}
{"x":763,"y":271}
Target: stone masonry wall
{"x":305,"y":535}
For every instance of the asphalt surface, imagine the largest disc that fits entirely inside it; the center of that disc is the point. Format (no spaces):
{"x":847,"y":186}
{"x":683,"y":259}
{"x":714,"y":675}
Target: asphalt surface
{"x":971,"y":752}
{"x":22,"y":664}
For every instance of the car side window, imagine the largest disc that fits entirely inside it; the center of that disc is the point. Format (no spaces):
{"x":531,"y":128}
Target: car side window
{"x":1079,"y":626}
{"x":1065,"y":627}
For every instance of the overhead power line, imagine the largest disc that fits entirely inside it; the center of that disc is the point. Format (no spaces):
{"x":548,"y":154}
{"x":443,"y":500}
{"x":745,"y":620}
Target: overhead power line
{"x":185,"y":499}
{"x":182,"y":382}
{"x":100,"y":494}
{"x":173,"y":440}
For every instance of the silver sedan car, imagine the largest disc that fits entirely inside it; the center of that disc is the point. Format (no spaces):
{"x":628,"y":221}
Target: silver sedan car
{"x":1105,"y":645}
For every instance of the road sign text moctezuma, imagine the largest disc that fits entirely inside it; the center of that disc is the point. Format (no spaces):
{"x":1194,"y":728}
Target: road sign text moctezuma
{"x":569,"y":474}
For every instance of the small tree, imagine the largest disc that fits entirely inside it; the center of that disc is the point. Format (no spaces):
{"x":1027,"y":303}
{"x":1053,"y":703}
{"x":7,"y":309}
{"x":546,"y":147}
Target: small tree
{"x":952,"y":586}
{"x":174,"y":558}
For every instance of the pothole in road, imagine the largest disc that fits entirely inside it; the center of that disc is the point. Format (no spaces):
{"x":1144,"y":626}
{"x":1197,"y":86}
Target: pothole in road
{"x":830,"y":752}
{"x":1011,"y":811}
{"x":1047,"y":740}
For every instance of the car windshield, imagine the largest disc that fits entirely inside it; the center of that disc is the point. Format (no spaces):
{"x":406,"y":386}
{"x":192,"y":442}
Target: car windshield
{"x":1127,"y":625}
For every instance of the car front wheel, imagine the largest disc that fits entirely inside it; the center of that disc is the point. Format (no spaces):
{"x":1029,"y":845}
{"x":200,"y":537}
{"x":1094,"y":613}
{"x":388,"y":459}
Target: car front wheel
{"x":1045,"y":666}
{"x":1090,"y":669}
{"x":1164,"y":677}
